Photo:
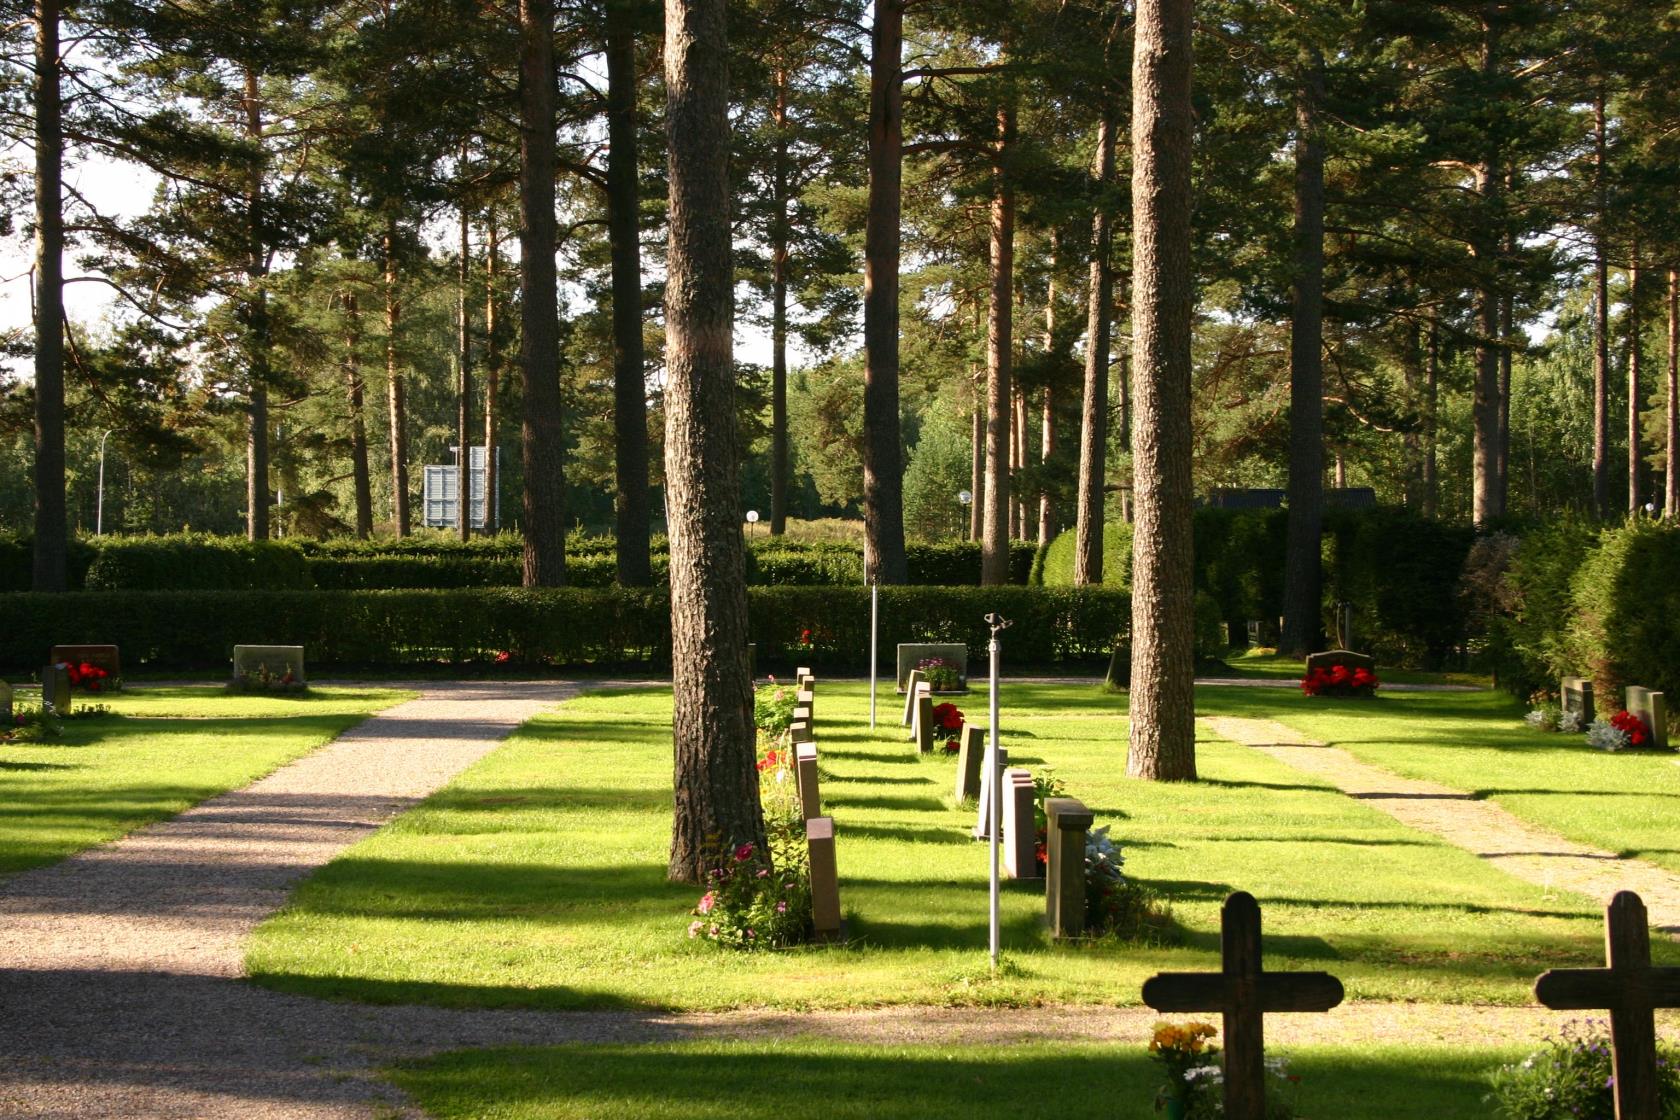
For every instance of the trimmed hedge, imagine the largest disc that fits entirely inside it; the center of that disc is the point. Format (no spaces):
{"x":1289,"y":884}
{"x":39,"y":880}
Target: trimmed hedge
{"x":1057,"y":568}
{"x":567,"y":627}
{"x":1625,"y":624}
{"x":198,"y":563}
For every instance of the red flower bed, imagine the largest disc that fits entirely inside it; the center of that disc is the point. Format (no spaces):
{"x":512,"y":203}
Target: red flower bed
{"x":1633,"y":727}
{"x":86,"y":676}
{"x":1339,"y":680}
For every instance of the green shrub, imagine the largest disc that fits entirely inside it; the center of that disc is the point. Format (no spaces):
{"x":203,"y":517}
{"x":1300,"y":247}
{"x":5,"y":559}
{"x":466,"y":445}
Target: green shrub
{"x":197,"y":562}
{"x":1570,"y":1078}
{"x":1401,"y":572}
{"x":17,"y":561}
{"x":1624,"y":627}
{"x":551,"y":627}
{"x":1056,"y":570}
{"x":1525,"y":643}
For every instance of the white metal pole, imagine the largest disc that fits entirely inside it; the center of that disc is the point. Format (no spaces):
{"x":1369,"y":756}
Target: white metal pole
{"x":99,"y":509}
{"x":874,"y":643}
{"x":994,"y":822}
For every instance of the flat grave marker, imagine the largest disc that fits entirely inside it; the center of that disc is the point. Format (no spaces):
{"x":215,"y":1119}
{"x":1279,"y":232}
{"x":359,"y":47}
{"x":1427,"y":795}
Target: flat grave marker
{"x":1244,"y":993}
{"x":1631,"y":990}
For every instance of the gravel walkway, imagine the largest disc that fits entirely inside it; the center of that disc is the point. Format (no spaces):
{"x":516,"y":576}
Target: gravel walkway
{"x":121,"y":993}
{"x":1482,"y":827}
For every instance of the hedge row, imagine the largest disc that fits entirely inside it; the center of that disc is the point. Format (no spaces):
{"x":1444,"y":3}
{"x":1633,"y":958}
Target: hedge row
{"x":567,"y":627}
{"x":198,"y":562}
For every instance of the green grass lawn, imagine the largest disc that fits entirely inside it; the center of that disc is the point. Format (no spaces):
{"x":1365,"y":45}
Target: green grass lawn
{"x":1628,"y":803}
{"x":807,"y":1077}
{"x":161,"y":751}
{"x":537,"y":879}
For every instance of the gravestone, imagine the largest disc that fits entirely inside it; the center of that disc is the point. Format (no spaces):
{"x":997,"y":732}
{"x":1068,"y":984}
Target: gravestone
{"x":1243,"y":992}
{"x":808,"y":700}
{"x":1650,"y":707}
{"x":268,"y":667}
{"x":1331,"y":658}
{"x":924,"y":723}
{"x":910,"y":653}
{"x":983,"y":807}
{"x":101,"y":656}
{"x":910,"y":696}
{"x":1020,"y":831}
{"x":1631,"y":990}
{"x":802,"y":714}
{"x":1577,"y":693}
{"x":804,"y":679}
{"x":805,"y":770}
{"x":922,"y":689}
{"x":1064,"y":871}
{"x":55,"y":688}
{"x":799,"y":730}
{"x":825,"y":880}
{"x":5,"y":704}
{"x":971,"y":758}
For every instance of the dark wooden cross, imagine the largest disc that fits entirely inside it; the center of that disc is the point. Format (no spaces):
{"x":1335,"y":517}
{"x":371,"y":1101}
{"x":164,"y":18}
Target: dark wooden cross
{"x":1244,"y":992}
{"x":1631,"y":990}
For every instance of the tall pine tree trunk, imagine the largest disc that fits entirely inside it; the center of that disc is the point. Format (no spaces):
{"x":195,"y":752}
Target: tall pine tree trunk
{"x":883,"y":469}
{"x":1431,"y":419}
{"x":256,"y":331}
{"x":779,"y":313}
{"x":1636,"y":348}
{"x":977,"y":462}
{"x":396,"y":391}
{"x":1487,"y":497}
{"x":1671,"y":427}
{"x":1601,"y":323}
{"x":355,"y":392}
{"x":492,"y":373}
{"x":635,"y":566}
{"x":52,"y":529}
{"x":716,"y":784}
{"x":463,"y":378}
{"x":1162,"y":706}
{"x":1303,"y":565}
{"x":994,"y":545}
{"x":544,"y":525}
{"x":1507,"y":315}
{"x":1093,"y":418}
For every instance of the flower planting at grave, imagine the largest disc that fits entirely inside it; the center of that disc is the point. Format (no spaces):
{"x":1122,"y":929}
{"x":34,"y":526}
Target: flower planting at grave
{"x":948,"y":721}
{"x":1620,"y":732}
{"x":33,"y":725}
{"x":773,"y":706}
{"x":1339,"y":680}
{"x":1571,"y":1076}
{"x":940,"y":674}
{"x":90,"y":677}
{"x":264,"y":679}
{"x":1188,"y":1054}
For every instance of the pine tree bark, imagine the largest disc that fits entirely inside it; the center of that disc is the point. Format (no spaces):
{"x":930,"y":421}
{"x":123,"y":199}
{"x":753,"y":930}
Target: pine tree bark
{"x":1636,"y":348}
{"x":542,"y":451}
{"x":1093,"y":421}
{"x":52,"y":528}
{"x":1431,"y":421}
{"x":1487,"y":498}
{"x":395,"y":390}
{"x":463,"y":378}
{"x":883,"y":466}
{"x":635,"y":565}
{"x":1601,"y":324}
{"x":716,"y":784}
{"x":1671,"y":427}
{"x":977,"y":464}
{"x":994,"y":543}
{"x":355,"y":390}
{"x":492,"y":374}
{"x":779,"y":313}
{"x":1302,"y":631}
{"x":1162,"y":706}
{"x":256,"y":333}
{"x":1507,"y":315}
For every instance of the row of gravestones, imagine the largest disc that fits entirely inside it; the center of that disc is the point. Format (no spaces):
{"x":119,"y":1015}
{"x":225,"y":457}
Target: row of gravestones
{"x":1650,"y":707}
{"x":1629,"y":988}
{"x":1067,"y":819}
{"x":55,"y":675}
{"x":826,"y":924}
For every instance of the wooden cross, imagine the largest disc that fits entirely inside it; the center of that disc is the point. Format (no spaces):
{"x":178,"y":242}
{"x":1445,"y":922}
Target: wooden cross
{"x":1244,"y":993}
{"x":1631,"y":990}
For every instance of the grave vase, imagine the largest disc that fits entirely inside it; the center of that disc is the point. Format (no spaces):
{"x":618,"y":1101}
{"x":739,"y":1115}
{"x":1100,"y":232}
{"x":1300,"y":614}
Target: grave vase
{"x":1177,"y":1108}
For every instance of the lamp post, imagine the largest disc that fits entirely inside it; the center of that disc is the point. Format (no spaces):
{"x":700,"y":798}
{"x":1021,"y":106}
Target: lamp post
{"x":752,"y":520}
{"x":99,"y":506}
{"x":964,"y":498}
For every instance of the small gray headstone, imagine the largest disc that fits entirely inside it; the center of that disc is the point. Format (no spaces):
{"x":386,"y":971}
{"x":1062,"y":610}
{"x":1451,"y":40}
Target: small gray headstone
{"x":1653,"y":709}
{"x":1064,"y":895}
{"x":915,"y":707}
{"x":1577,"y":693}
{"x":1020,"y":831}
{"x":805,"y":770}
{"x":825,"y":879}
{"x":104,"y":657}
{"x":954,"y":653}
{"x":910,"y":696}
{"x":971,"y":758}
{"x":1330,"y":658}
{"x":279,"y":668}
{"x":924,"y":723}
{"x":55,"y":688}
{"x":983,"y":810}
{"x":808,"y":700}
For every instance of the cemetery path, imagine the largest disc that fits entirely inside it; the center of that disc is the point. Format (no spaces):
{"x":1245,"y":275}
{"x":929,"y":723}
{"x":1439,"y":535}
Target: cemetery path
{"x":1481,"y":827}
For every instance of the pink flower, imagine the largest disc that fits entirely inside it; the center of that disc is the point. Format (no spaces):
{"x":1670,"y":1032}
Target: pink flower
{"x":707,"y":901}
{"x":751,"y":936}
{"x":744,"y":852}
{"x":695,"y":927}
{"x":781,"y":907}
{"x":764,"y":873}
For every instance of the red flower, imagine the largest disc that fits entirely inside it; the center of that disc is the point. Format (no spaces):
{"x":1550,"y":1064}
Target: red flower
{"x":952,"y":746}
{"x":744,"y":852}
{"x":947,"y":717}
{"x":503,"y":657}
{"x":1632,"y":726}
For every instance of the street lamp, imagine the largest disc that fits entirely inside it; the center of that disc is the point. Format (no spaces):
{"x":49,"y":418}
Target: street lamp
{"x":752,"y":519}
{"x":99,"y":508}
{"x":964,"y":498}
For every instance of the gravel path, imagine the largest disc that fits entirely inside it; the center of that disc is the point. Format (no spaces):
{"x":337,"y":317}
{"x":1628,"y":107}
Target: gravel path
{"x":1509,"y":843}
{"x":121,"y":993}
